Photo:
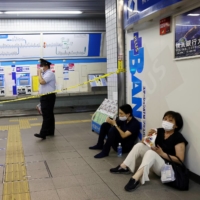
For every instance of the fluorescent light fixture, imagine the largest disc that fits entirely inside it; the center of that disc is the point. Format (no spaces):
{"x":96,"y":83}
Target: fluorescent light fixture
{"x":42,"y":12}
{"x":194,"y":15}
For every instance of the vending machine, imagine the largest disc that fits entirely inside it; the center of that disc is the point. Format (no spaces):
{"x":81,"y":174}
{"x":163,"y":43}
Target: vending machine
{"x":23,"y":80}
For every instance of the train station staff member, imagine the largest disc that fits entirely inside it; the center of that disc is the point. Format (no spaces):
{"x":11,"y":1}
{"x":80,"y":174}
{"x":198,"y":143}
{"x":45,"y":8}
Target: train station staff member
{"x":47,"y":84}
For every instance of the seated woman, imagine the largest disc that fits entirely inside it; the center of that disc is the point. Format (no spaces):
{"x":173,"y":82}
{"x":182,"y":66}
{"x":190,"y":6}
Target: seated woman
{"x":169,"y":141}
{"x":124,"y":131}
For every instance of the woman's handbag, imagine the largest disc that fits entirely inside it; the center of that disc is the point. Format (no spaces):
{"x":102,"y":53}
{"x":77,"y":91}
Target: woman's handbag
{"x":181,"y":181}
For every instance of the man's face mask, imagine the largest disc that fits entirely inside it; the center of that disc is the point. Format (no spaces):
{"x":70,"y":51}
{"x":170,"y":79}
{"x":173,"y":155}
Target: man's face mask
{"x":124,"y":118}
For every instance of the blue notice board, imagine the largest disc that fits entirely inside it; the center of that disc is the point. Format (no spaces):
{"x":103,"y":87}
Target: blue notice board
{"x":134,"y":10}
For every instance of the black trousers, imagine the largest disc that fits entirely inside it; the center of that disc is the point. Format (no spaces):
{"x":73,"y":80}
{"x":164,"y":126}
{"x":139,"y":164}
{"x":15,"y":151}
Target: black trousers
{"x":113,"y":139}
{"x":47,"y":107}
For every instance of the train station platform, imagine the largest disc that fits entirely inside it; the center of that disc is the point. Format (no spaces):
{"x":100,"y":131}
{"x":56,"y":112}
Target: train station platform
{"x":63,"y":168}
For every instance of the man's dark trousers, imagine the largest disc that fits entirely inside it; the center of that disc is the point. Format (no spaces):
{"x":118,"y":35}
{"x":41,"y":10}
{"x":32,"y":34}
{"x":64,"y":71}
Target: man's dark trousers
{"x":47,"y":107}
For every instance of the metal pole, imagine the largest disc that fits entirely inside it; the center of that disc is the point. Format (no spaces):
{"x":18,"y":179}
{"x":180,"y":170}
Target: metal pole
{"x":121,"y":79}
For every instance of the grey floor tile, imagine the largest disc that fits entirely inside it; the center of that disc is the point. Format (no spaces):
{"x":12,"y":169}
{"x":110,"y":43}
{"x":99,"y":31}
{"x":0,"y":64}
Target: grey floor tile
{"x":63,"y":149}
{"x":2,"y":160}
{"x":71,"y":154}
{"x":1,"y":173}
{"x":34,"y":158}
{"x":3,"y":152}
{"x":45,"y":195}
{"x":135,"y":195}
{"x":92,"y":160}
{"x":109,"y":198}
{"x":85,"y":152}
{"x":73,"y":193}
{"x":65,"y":182}
{"x":108,"y":177}
{"x":75,"y":161}
{"x":56,"y":164}
{"x":52,"y":155}
{"x":76,"y":169}
{"x":102,"y":166}
{"x":89,"y":179}
{"x":1,"y":189}
{"x":41,"y":185}
{"x":60,"y":172}
{"x":118,"y":187}
{"x":37,"y":174}
{"x":47,"y":148}
{"x":98,"y":191}
{"x":161,"y":194}
{"x":35,"y":166}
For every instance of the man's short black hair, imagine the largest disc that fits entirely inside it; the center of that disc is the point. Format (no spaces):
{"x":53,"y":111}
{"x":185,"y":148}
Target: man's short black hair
{"x":177,"y":117}
{"x":127,"y":109}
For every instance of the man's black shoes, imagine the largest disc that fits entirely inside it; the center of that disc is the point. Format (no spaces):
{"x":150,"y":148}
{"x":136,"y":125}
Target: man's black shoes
{"x":40,"y":136}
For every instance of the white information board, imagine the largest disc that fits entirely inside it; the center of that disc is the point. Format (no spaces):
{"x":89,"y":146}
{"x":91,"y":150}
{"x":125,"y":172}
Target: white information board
{"x":62,"y":45}
{"x":19,"y":46}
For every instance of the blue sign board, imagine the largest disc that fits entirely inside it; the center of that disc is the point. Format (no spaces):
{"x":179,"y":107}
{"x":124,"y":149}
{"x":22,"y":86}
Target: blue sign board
{"x":134,"y":10}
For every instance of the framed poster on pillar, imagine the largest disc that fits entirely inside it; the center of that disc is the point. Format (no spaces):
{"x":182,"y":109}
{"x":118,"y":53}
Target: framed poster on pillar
{"x":187,"y":34}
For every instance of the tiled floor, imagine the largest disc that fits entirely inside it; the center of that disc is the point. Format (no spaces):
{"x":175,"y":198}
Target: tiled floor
{"x":62,"y":167}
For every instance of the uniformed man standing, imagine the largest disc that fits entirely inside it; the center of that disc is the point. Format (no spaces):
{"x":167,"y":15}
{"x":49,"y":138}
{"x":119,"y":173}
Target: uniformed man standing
{"x":47,"y":84}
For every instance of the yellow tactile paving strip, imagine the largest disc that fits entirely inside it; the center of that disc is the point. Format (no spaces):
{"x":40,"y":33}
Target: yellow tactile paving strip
{"x":3,"y":128}
{"x":24,"y":124}
{"x":15,"y":181}
{"x":64,"y":122}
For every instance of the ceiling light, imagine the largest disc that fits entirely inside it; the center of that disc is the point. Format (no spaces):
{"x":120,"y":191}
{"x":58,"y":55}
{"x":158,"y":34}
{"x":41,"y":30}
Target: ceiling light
{"x":193,"y":15}
{"x":42,"y":12}
{"x":1,"y":12}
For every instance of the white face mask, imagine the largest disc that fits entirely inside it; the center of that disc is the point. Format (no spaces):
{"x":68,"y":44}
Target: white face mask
{"x":123,"y":118}
{"x":168,"y":126}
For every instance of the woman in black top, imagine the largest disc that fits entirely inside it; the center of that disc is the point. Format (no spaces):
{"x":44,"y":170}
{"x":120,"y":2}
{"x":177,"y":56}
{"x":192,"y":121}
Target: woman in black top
{"x":169,"y":141}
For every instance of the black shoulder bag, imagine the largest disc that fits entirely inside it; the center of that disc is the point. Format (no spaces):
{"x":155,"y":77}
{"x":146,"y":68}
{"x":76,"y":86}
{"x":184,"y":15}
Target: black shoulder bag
{"x":181,"y":175}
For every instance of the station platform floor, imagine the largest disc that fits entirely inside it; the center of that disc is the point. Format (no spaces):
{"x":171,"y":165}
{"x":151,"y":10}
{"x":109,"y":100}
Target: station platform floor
{"x":63,"y":168}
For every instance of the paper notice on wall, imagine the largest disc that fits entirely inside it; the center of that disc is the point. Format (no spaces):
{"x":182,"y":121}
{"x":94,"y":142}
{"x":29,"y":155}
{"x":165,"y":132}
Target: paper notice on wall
{"x":65,"y":75}
{"x":71,"y":66}
{"x":65,"y":68}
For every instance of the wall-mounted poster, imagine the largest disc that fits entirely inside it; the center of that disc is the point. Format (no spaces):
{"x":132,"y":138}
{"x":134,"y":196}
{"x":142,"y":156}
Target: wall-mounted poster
{"x":66,"y":75}
{"x":187,"y":34}
{"x":99,"y":82}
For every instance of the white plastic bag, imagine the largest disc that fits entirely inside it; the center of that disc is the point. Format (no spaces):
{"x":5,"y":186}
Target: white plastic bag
{"x":167,"y":174}
{"x":38,"y":107}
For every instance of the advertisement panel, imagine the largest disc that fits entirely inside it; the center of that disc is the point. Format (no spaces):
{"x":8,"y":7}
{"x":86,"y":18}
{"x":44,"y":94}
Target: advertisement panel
{"x":187,"y":34}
